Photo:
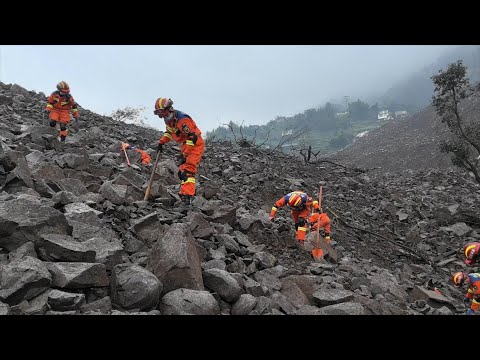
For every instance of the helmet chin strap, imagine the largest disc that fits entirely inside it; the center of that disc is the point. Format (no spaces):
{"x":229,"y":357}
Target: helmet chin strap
{"x":169,"y":116}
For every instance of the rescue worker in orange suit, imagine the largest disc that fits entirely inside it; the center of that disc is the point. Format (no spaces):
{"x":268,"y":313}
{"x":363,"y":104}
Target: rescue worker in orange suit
{"x":183,"y":129}
{"x":145,"y":158}
{"x":59,"y":105}
{"x":301,"y":206}
{"x":473,"y":292}
{"x":471,"y":251}
{"x":320,"y":220}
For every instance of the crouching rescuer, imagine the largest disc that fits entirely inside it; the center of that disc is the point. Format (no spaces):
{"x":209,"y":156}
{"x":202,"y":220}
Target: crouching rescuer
{"x":183,"y":129}
{"x":301,"y":205}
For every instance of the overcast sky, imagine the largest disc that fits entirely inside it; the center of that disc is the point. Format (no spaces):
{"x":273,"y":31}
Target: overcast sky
{"x":213,"y":84}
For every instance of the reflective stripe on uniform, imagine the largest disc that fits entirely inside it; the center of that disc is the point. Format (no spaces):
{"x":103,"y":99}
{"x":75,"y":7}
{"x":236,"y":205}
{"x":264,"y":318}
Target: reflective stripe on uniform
{"x":169,"y":129}
{"x":50,"y":106}
{"x":75,"y":110}
{"x":189,"y":143}
{"x":274,"y":209}
{"x":190,"y":180}
{"x":301,"y":228}
{"x":167,"y":135}
{"x":64,"y":103}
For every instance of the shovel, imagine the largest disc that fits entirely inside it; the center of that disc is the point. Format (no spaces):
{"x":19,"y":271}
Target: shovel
{"x":317,"y":252}
{"x":147,"y":192}
{"x":126,"y":157}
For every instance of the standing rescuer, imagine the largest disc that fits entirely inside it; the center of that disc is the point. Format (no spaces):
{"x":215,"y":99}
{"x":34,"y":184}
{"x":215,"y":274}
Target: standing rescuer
{"x":59,"y":105}
{"x":181,"y":128}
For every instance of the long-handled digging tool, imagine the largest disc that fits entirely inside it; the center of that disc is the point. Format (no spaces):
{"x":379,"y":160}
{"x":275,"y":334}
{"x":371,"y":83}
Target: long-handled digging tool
{"x":126,"y":157}
{"x":317,"y":252}
{"x":321,"y":244}
{"x":147,"y":192}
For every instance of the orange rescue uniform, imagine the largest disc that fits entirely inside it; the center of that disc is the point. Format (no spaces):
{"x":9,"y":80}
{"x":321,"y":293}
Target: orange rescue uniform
{"x":300,"y":213}
{"x":59,"y":107}
{"x":183,"y":130}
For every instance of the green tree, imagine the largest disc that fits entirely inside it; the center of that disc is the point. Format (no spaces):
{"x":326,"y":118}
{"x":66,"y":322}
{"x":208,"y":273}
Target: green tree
{"x":452,"y":87}
{"x":358,"y":110}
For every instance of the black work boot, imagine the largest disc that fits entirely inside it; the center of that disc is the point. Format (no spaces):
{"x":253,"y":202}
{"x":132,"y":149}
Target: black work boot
{"x":186,"y":199}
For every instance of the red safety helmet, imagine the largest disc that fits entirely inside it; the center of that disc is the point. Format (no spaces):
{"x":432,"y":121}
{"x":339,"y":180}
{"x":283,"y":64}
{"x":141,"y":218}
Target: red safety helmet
{"x":459,"y":278}
{"x":470,"y":250}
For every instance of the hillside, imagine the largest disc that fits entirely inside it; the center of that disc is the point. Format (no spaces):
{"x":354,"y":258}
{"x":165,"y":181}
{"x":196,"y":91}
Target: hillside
{"x":411,"y":143}
{"x":76,"y":236}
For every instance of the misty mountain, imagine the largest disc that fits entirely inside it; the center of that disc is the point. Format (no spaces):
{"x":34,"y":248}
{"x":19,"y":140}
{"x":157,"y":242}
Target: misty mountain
{"x":417,"y":89}
{"x":335,"y":124}
{"x":407,"y":144}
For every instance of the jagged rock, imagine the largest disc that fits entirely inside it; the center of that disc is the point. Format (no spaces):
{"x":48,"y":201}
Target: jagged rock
{"x":77,"y":275}
{"x":23,"y":220}
{"x":114,"y":193}
{"x":221,"y":282}
{"x":27,"y":249}
{"x":148,"y":229}
{"x":133,"y":287}
{"x":64,"y":301}
{"x":349,"y":308}
{"x":23,"y":279}
{"x":189,"y":302}
{"x":109,"y":253}
{"x":244,"y":305}
{"x":325,"y":297}
{"x":102,"y":306}
{"x":174,"y":260}
{"x":55,"y":247}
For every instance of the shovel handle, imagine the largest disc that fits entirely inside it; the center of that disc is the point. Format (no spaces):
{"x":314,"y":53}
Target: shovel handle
{"x":147,"y":192}
{"x":126,"y":156}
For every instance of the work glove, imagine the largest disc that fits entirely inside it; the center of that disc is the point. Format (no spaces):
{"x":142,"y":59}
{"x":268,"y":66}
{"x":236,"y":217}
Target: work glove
{"x":193,"y":137}
{"x":470,"y":312}
{"x":125,"y":146}
{"x":159,"y":147}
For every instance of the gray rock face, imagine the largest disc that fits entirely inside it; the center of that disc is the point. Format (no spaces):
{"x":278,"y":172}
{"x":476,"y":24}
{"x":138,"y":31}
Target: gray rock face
{"x":64,"y":301}
{"x":189,"y":302}
{"x":244,"y":305}
{"x":23,"y":279}
{"x":324,"y":297}
{"x":221,"y":282}
{"x":174,"y":260}
{"x":114,"y":193}
{"x":23,"y":220}
{"x":55,"y":247}
{"x":77,"y":275}
{"x":148,"y":229}
{"x":133,"y":287}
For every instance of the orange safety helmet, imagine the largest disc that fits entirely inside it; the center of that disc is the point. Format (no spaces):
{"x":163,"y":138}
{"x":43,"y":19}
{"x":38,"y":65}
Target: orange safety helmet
{"x":295,"y":200}
{"x":470,"y":250}
{"x":63,"y":87}
{"x":458,"y":278}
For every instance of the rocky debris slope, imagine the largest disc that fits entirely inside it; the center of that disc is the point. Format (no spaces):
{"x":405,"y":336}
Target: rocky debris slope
{"x":410,"y":143}
{"x":76,"y":236}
